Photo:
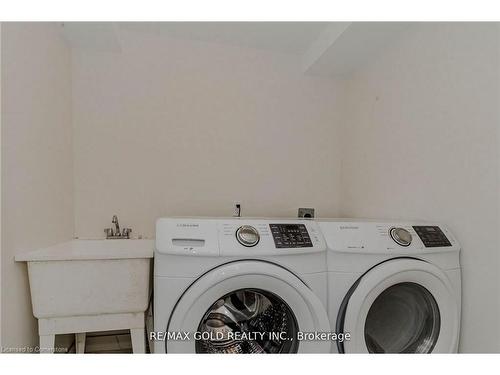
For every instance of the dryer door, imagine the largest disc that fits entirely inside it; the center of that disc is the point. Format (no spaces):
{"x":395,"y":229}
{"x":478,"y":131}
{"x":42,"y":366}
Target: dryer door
{"x":400,"y":306}
{"x":247,"y":307}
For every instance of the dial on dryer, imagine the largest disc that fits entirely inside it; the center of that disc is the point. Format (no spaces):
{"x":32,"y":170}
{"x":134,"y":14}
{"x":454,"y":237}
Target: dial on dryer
{"x":401,"y":236}
{"x":247,"y":235}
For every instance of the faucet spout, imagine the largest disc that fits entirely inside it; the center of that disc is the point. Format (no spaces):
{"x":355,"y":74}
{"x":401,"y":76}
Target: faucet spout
{"x":116,"y":233}
{"x":117,"y":225}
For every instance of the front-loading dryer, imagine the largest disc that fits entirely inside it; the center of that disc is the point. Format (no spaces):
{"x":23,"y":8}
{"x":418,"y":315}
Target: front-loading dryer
{"x":393,"y":287}
{"x":239,"y":286}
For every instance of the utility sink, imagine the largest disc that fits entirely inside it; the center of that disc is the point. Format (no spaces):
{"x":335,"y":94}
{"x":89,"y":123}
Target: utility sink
{"x":89,"y":285}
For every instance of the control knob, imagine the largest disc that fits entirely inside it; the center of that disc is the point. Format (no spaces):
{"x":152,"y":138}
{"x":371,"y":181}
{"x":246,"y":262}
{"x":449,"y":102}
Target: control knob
{"x":401,"y":236}
{"x":247,"y":235}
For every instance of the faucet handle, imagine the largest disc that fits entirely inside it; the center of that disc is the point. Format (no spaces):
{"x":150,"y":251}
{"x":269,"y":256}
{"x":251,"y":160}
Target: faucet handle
{"x":109,"y":232}
{"x":126,"y":232}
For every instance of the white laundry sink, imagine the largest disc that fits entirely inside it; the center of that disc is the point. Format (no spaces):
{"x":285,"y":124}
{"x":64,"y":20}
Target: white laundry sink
{"x":89,"y":277}
{"x":89,"y":285}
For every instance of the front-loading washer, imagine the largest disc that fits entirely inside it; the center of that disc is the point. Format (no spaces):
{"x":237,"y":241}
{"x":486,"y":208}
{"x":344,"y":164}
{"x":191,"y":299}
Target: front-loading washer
{"x":393,"y":287}
{"x":239,"y":286}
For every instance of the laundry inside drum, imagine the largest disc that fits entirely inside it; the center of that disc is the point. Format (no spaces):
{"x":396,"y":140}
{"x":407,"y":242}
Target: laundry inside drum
{"x":248,"y":321}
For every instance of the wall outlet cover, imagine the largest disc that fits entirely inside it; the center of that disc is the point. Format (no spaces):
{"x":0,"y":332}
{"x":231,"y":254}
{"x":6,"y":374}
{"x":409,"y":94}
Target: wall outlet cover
{"x":307,"y":213}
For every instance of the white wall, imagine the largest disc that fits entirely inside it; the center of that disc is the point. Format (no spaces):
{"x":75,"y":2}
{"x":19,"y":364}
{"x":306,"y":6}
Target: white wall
{"x":420,"y":125}
{"x":0,"y":186}
{"x":174,"y":127}
{"x":37,"y":167}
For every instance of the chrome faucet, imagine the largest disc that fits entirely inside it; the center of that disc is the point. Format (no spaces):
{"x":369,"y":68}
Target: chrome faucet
{"x":117,"y":226}
{"x":116,"y":234}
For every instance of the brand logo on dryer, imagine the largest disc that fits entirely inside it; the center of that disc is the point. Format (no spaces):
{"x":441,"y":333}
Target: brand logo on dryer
{"x":348,"y":227}
{"x":188,"y":225}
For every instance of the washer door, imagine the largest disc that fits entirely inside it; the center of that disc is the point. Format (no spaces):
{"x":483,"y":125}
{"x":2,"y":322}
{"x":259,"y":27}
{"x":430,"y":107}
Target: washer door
{"x":247,"y":307}
{"x":400,"y":306}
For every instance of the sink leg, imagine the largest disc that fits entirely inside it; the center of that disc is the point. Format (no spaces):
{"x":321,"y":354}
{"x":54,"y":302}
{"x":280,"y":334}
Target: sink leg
{"x":80,"y":342}
{"x":47,"y":343}
{"x":138,"y":340}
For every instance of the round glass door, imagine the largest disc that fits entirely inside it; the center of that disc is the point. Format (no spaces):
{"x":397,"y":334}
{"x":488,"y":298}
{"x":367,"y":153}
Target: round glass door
{"x":248,"y":321}
{"x":402,"y":305}
{"x":247,"y":307}
{"x":404,"y":318}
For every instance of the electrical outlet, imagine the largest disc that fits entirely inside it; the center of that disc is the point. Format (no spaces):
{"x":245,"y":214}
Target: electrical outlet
{"x":236,"y":209}
{"x":307,"y":213}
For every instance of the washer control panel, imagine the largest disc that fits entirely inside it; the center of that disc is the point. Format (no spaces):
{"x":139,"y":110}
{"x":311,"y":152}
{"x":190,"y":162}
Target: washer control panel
{"x":431,"y":236}
{"x":238,"y":237}
{"x":290,"y":235}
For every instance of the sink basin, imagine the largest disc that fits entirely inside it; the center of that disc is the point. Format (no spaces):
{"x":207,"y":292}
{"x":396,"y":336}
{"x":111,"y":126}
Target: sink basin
{"x":84,"y":286}
{"x":89,"y":277}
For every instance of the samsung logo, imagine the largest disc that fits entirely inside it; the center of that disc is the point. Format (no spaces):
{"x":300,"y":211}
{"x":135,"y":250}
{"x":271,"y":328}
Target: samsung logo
{"x":346,"y":227}
{"x":188,"y":225}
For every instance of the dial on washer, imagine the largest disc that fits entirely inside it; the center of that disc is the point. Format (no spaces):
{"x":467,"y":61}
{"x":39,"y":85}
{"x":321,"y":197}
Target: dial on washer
{"x":247,"y":235}
{"x":401,"y":236}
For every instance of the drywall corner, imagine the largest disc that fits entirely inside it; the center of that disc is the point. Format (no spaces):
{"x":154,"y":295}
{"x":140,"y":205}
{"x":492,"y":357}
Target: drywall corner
{"x":37,"y":183}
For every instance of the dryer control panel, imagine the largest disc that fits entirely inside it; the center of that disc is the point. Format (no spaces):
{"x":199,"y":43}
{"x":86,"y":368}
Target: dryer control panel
{"x":431,"y":235}
{"x":290,"y":235}
{"x":396,"y":238}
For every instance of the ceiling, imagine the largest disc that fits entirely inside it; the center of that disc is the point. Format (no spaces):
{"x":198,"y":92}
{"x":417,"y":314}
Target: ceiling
{"x":287,"y":37}
{"x":323,"y":48}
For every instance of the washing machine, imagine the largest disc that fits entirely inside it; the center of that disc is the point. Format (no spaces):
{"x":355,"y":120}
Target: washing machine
{"x":239,"y":286}
{"x":393,"y":287}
